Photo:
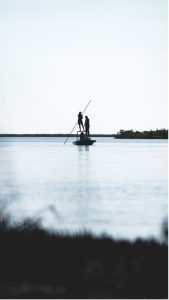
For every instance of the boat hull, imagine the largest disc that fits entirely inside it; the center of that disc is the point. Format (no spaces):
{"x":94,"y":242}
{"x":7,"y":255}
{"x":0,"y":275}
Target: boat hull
{"x":84,"y":143}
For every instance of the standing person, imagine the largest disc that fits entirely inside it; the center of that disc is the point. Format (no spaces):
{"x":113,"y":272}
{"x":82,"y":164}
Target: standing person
{"x":80,"y":120}
{"x":87,"y":125}
{"x":82,"y":136}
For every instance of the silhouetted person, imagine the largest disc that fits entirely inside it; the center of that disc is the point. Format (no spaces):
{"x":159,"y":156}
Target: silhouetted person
{"x":80,"y":121}
{"x":82,"y":136}
{"x":87,"y":125}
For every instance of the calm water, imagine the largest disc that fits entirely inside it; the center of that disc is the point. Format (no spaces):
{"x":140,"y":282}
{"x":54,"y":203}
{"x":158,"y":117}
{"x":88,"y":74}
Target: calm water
{"x":118,"y":187}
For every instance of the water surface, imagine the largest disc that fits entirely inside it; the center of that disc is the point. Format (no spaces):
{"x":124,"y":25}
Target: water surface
{"x":117,"y":187}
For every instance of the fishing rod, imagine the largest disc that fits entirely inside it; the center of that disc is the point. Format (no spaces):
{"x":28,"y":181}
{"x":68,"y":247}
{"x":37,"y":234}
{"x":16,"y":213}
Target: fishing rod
{"x":76,"y":123}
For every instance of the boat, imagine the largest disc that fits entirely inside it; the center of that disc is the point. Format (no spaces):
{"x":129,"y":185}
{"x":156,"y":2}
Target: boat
{"x":83,"y":139}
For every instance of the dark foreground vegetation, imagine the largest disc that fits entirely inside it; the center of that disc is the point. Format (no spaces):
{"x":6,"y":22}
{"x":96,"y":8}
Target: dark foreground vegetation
{"x":37,"y":264}
{"x":151,"y":134}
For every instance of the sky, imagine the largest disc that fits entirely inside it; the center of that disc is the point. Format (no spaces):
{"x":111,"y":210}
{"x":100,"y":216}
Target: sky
{"x":56,"y":55}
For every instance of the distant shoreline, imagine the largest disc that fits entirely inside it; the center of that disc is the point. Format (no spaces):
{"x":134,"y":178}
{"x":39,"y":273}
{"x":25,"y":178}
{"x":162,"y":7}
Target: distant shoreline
{"x":51,"y":135}
{"x":141,"y":138}
{"x":75,"y":135}
{"x":146,"y":134}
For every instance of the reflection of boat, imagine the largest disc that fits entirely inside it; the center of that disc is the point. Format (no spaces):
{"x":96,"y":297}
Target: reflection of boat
{"x":83,"y":139}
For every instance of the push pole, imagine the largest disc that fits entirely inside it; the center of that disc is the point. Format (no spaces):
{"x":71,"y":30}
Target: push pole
{"x":76,"y":123}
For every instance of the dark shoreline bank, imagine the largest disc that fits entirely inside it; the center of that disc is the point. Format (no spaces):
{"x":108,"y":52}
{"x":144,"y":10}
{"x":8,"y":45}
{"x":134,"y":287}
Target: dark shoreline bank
{"x":75,"y":135}
{"x":37,"y":264}
{"x":141,"y":138}
{"x":52,"y":135}
{"x":147,"y":134}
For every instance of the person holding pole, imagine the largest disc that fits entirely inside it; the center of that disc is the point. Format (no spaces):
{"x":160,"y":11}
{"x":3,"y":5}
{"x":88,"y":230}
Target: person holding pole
{"x":87,"y":125}
{"x":80,"y":120}
{"x":76,"y":123}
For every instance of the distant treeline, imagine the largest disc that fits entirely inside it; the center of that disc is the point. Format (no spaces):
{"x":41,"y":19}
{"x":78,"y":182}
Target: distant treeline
{"x":122,"y":134}
{"x":34,"y":135}
{"x":151,"y":134}
{"x":49,"y":135}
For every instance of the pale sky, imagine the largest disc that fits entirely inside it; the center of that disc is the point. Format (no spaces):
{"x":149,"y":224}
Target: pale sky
{"x":56,"y":55}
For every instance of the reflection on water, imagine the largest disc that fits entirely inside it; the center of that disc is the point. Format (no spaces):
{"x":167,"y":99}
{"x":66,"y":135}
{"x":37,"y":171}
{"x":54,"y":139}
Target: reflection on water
{"x":115,"y":186}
